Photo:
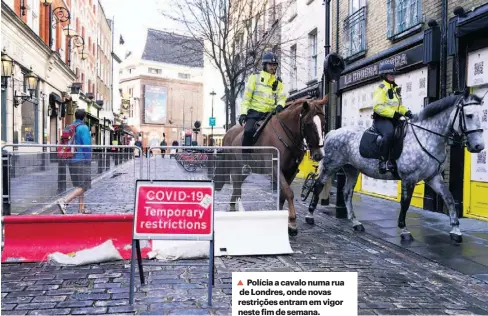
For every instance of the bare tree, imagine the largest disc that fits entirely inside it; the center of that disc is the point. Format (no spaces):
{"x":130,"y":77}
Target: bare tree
{"x":233,"y":34}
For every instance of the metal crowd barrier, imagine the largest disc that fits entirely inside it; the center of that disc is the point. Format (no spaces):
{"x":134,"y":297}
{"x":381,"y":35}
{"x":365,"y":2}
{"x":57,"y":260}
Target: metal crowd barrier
{"x":259,"y":191}
{"x":34,"y":179}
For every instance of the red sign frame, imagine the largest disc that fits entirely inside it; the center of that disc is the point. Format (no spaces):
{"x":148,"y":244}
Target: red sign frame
{"x":175,"y":210}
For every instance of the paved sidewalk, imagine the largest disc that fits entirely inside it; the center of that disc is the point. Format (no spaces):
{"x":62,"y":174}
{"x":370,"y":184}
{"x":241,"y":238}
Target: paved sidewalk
{"x":429,"y":229}
{"x":392,"y":280}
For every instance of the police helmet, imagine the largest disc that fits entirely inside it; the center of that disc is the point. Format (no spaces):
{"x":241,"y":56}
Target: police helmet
{"x":269,"y":58}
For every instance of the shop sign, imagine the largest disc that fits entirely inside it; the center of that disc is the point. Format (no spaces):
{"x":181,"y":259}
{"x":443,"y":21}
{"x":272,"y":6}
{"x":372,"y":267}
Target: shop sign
{"x":401,"y":60}
{"x":477,"y":75}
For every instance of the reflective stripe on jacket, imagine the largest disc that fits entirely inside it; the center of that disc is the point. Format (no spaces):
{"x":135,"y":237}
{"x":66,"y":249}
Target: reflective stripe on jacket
{"x":383,"y":105}
{"x":259,"y":94}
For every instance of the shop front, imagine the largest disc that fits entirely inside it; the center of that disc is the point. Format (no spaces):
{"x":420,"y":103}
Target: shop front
{"x":468,"y":45}
{"x":30,"y":89}
{"x":416,"y":61}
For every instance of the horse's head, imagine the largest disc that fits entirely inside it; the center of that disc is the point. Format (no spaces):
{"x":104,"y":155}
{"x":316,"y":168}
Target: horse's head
{"x":312,"y":121}
{"x":467,"y":122}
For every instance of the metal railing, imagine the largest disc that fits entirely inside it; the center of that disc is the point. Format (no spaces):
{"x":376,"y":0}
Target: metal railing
{"x":354,"y":32}
{"x":34,"y":179}
{"x":224,"y":165}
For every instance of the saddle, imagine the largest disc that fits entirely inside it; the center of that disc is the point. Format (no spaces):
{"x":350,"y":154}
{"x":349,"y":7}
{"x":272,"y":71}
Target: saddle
{"x":369,"y":147}
{"x":259,"y":127}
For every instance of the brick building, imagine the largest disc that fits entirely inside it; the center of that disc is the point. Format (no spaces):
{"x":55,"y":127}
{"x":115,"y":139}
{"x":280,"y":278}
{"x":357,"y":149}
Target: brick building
{"x":467,"y":51}
{"x":409,"y":34}
{"x":104,"y":72}
{"x":163,"y":88}
{"x":56,"y":40}
{"x":34,"y":47}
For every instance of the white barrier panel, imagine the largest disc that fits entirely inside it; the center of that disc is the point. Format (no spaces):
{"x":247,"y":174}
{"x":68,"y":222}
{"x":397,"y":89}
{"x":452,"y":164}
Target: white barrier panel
{"x":251,"y":233}
{"x":236,"y":234}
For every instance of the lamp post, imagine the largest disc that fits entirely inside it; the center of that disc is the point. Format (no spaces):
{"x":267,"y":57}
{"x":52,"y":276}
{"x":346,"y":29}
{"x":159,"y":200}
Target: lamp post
{"x":211,"y":137}
{"x":191,"y":122}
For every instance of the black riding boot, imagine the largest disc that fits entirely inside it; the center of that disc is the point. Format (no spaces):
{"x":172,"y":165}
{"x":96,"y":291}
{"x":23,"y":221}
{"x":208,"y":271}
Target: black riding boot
{"x":246,"y":155}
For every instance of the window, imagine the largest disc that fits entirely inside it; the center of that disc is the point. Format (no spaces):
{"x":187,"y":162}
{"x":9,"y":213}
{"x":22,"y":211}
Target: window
{"x":293,"y":67}
{"x":183,"y":76}
{"x":293,"y":10}
{"x":35,"y":18}
{"x":154,"y":71}
{"x":402,"y":15}
{"x":312,"y":39}
{"x":354,"y":31}
{"x":355,"y":5}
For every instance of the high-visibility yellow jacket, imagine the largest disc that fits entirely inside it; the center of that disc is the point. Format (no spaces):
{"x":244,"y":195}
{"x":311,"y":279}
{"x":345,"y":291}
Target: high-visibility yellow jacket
{"x":259,"y":94}
{"x":383,"y":105}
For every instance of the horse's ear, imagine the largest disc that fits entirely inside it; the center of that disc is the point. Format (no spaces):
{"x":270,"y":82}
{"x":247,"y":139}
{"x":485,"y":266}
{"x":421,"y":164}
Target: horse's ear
{"x":305,"y":106}
{"x":466,"y":93}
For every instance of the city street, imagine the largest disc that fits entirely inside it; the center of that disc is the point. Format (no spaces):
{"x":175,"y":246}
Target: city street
{"x":393,"y":279}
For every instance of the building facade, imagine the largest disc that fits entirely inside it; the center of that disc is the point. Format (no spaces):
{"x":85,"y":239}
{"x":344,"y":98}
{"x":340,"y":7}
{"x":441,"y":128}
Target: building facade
{"x":29,"y":40}
{"x":408,"y":34}
{"x":57,"y":41}
{"x":163,"y":89}
{"x":303,"y":48}
{"x":467,"y":52}
{"x":104,"y":75}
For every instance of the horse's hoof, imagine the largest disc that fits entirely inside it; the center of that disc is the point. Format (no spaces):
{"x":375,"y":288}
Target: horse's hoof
{"x":406,"y":237}
{"x":359,"y":228}
{"x":457,"y":238}
{"x":310,"y":220}
{"x":292,"y":231}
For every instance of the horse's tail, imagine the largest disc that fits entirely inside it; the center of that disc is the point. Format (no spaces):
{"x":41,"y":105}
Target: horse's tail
{"x":221,"y":171}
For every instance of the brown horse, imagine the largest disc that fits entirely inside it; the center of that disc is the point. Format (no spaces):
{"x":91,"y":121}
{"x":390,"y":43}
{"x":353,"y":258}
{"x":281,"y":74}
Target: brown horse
{"x":302,"y":120}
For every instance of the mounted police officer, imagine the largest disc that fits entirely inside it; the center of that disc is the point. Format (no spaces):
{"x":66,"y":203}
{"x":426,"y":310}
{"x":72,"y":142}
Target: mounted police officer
{"x":264,"y":94}
{"x":388,"y":109}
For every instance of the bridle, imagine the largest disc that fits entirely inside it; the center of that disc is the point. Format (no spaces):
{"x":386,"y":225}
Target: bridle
{"x":301,"y":146}
{"x":450,"y":137}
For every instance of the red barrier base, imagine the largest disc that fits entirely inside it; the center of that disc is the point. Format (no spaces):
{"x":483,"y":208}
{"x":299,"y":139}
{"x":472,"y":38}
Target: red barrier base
{"x":32,"y":238}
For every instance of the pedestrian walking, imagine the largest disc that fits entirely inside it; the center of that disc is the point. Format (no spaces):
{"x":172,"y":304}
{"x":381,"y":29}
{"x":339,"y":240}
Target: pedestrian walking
{"x":79,"y":165}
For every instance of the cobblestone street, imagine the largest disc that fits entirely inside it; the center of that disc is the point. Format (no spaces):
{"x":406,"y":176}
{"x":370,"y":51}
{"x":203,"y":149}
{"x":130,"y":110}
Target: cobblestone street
{"x":392,"y":279}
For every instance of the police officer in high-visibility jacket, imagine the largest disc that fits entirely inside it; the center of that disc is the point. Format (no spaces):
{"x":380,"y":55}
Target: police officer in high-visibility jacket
{"x":388,"y":109}
{"x":263,"y":94}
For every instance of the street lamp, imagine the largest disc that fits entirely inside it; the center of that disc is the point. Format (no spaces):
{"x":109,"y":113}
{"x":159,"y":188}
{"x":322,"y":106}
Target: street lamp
{"x":30,"y":81}
{"x":7,"y":68}
{"x":213,"y":119}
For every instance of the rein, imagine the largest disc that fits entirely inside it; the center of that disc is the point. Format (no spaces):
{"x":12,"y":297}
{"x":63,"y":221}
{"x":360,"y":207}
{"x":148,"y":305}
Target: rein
{"x":450,"y":136}
{"x":300,"y":146}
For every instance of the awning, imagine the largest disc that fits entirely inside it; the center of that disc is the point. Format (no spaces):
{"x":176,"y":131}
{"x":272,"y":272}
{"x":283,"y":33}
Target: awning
{"x":473,"y":21}
{"x":53,"y":98}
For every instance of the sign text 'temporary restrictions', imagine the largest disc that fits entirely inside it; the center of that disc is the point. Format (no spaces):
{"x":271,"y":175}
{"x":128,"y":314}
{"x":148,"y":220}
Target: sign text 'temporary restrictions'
{"x":294,"y":293}
{"x":174,"y":210}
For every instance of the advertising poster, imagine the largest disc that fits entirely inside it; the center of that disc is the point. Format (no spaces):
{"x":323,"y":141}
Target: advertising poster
{"x":155,"y":105}
{"x":479,"y":165}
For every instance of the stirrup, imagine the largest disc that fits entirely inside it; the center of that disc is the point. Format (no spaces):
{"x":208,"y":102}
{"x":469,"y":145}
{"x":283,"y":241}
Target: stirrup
{"x":246,"y":170}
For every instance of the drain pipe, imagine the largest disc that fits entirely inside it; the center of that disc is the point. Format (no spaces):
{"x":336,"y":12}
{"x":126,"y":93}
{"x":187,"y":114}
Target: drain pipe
{"x":337,"y":26}
{"x":444,"y":50}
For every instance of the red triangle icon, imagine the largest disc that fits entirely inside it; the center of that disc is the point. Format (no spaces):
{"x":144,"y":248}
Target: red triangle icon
{"x":240,"y":283}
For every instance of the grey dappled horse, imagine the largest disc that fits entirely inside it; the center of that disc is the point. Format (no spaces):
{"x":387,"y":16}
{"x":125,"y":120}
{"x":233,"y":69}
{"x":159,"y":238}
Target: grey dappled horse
{"x":424,"y":151}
